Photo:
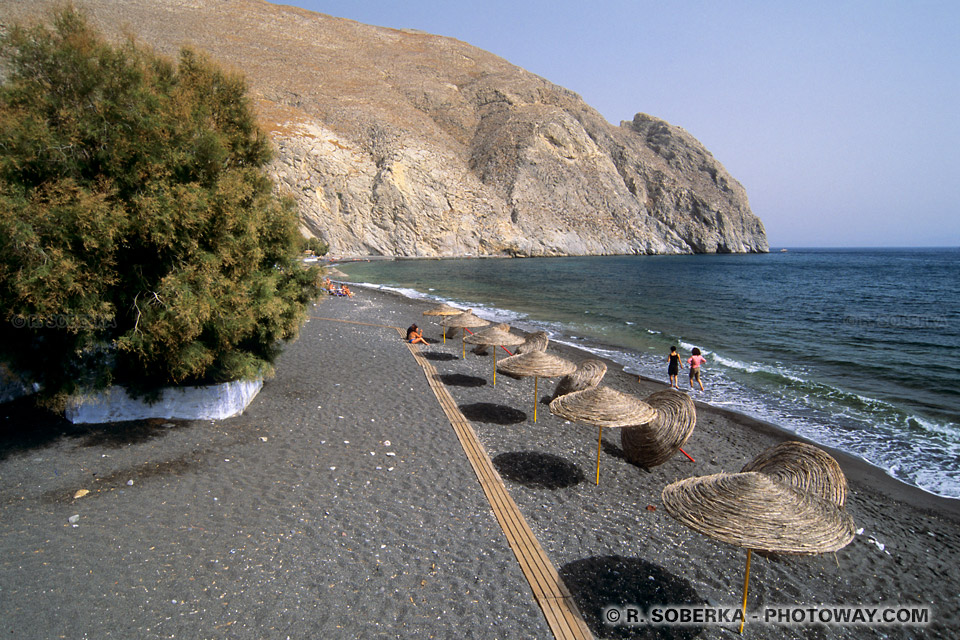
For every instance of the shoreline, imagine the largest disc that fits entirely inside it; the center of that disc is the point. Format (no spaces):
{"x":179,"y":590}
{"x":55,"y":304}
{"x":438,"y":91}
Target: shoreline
{"x":853,"y":466}
{"x":342,"y":504}
{"x":907,"y":549}
{"x":860,"y":468}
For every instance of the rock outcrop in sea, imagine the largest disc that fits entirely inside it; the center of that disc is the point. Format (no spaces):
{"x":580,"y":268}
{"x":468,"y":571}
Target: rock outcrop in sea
{"x":401,"y":143}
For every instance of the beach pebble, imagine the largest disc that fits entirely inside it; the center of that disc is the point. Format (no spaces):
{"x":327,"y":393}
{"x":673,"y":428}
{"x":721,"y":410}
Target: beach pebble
{"x":79,"y":494}
{"x":386,"y":443}
{"x":879,"y":544}
{"x":74,"y":519}
{"x":391,"y":453}
{"x":263,"y":438}
{"x":129,"y":483}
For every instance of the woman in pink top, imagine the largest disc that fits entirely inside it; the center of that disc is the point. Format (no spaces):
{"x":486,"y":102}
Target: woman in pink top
{"x":695,"y":361}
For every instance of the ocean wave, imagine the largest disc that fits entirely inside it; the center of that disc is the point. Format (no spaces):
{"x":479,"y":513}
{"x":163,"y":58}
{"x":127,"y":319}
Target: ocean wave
{"x":910,"y":447}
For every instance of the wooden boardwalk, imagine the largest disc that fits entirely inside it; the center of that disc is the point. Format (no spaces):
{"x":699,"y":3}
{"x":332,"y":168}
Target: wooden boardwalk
{"x":548,"y":588}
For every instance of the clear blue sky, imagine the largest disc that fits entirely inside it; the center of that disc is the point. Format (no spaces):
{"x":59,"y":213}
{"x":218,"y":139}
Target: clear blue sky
{"x":841,"y":119}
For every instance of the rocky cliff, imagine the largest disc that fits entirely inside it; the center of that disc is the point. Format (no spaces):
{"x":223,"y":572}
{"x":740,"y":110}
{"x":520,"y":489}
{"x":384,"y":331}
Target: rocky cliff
{"x":404,"y":143}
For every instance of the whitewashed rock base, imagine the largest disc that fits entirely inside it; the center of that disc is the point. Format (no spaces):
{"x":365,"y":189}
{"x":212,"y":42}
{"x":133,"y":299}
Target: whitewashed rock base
{"x":213,"y":402}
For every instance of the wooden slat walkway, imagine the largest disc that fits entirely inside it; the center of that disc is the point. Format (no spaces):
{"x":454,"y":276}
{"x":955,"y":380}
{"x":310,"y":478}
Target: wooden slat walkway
{"x":550,"y":592}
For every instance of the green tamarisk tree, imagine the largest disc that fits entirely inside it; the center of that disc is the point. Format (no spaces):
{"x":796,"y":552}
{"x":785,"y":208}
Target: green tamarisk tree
{"x":141,"y":242}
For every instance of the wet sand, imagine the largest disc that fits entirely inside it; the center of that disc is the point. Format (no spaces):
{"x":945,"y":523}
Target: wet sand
{"x":342,"y":505}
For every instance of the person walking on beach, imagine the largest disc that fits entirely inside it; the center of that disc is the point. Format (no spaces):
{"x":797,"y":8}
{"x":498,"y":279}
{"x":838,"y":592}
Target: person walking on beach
{"x":673,"y":367}
{"x":415,"y":335}
{"x":694,"y":362}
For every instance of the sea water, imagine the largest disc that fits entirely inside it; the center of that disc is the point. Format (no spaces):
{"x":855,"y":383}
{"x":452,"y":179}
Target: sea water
{"x":857,"y":349}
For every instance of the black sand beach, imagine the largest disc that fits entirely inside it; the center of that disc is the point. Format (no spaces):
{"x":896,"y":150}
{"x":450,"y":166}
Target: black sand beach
{"x":341,"y":504}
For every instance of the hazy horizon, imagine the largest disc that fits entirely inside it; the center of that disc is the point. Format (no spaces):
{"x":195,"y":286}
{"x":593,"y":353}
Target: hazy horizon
{"x":837,"y":118}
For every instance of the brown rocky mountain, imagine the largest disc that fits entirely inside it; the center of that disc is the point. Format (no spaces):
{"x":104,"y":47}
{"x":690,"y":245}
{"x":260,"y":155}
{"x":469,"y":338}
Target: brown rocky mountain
{"x":398,"y":142}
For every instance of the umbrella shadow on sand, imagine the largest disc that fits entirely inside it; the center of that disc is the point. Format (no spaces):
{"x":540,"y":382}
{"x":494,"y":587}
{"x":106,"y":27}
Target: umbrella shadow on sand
{"x":538,"y":470}
{"x":438,"y":356}
{"x":461,"y":380}
{"x":494,"y":413}
{"x":604,"y":582}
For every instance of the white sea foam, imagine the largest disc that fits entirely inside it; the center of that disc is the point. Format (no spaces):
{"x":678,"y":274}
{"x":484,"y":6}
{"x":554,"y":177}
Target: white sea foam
{"x":866,"y":427}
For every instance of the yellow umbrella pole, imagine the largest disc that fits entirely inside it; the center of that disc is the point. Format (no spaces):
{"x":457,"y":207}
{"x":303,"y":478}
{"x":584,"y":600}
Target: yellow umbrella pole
{"x":599,"y":444}
{"x":494,"y":366}
{"x":746,"y":582}
{"x":536,"y":380}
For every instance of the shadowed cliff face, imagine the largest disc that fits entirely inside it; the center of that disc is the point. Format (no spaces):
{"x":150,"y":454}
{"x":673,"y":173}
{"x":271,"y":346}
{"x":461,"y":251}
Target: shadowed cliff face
{"x":409,"y":144}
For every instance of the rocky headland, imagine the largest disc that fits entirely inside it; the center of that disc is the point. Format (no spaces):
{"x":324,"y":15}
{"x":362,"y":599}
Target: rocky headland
{"x":401,"y":143}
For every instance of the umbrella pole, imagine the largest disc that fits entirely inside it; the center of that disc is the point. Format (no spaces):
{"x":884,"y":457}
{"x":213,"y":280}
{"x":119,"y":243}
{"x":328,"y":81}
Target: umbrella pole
{"x":464,"y":344}
{"x":494,"y":366}
{"x":599,"y":445}
{"x":536,"y":380}
{"x":746,"y":583}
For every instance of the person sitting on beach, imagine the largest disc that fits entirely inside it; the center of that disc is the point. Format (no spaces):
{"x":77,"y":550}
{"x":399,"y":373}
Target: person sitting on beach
{"x":415,"y":335}
{"x":695,"y":361}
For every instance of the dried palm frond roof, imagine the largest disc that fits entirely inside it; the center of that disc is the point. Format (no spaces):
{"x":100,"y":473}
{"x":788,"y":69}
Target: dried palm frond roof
{"x":803,"y":466}
{"x":442,"y":309}
{"x":536,"y":363}
{"x":602,"y":407}
{"x":655,"y":442}
{"x":754,"y":511}
{"x":464,"y":320}
{"x":496,"y":335}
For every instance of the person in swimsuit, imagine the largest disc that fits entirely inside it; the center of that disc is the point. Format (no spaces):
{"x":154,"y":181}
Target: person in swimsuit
{"x":673,"y":367}
{"x":415,"y":335}
{"x":695,"y":361}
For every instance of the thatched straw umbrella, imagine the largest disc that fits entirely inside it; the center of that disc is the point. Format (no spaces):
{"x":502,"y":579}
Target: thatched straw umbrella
{"x":804,"y":466}
{"x":758,"y":512}
{"x":589,"y":373}
{"x":536,"y":341}
{"x":464,"y":321}
{"x":539,"y":365}
{"x":602,"y":407}
{"x":481,"y":349}
{"x":655,"y":442}
{"x":497,"y":336}
{"x":443,"y":309}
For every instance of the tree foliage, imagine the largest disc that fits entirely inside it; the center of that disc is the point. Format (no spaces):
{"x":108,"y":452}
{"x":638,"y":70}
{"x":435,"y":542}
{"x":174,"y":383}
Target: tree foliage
{"x":140,"y":240}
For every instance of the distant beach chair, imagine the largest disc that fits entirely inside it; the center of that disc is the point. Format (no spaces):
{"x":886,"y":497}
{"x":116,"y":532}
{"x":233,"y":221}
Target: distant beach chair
{"x":589,"y":373}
